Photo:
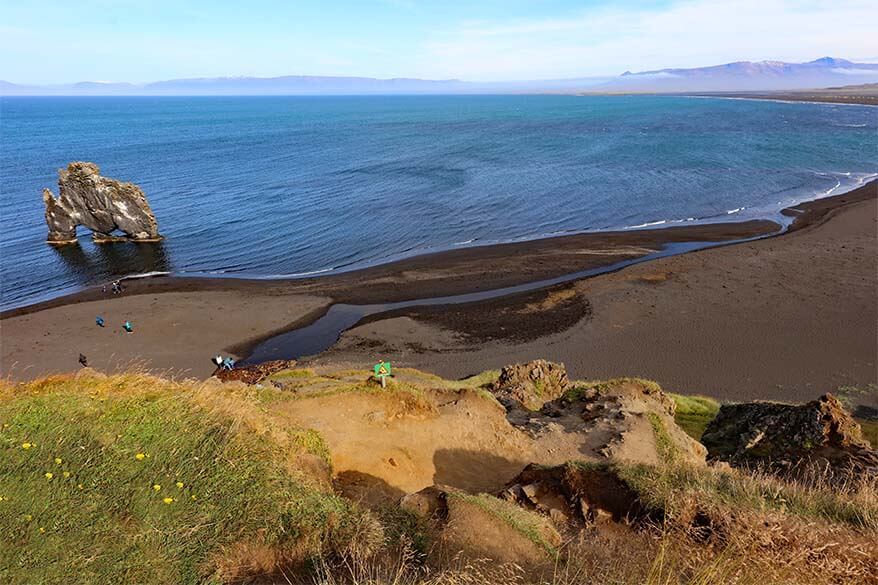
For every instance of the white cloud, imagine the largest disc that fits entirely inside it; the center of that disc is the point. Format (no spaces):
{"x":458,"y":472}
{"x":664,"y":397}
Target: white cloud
{"x":607,"y":41}
{"x":856,"y":72}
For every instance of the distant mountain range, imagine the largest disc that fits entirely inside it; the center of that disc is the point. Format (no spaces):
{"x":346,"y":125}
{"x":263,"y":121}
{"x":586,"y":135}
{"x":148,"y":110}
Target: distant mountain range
{"x":738,"y":76}
{"x":303,"y":85}
{"x":750,"y":76}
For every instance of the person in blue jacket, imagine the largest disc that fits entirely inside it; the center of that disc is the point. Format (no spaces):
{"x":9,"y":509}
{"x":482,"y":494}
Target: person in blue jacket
{"x":99,"y":320}
{"x":128,"y":327}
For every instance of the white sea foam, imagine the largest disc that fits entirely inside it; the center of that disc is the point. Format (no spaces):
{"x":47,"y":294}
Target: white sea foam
{"x":832,"y":190}
{"x":309,"y":273}
{"x":647,"y":224}
{"x":658,"y":222}
{"x":146,"y":275}
{"x":736,"y":210}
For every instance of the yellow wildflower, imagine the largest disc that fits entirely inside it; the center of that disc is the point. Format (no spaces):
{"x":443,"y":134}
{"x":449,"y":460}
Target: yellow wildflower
{"x":49,"y":475}
{"x":79,"y":486}
{"x":26,"y":446}
{"x":168,"y":500}
{"x":66,"y":474}
{"x":180,"y":484}
{"x":193,"y":496}
{"x":139,"y":456}
{"x":156,"y":487}
{"x":57,"y":461}
{"x":42,"y":530}
{"x":28,"y":517}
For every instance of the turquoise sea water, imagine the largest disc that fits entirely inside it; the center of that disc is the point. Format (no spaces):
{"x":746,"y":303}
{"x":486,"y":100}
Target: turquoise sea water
{"x":275,"y":186}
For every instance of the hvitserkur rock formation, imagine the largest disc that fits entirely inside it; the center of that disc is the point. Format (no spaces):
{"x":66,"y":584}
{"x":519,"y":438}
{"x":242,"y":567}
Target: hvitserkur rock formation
{"x":103,"y":205}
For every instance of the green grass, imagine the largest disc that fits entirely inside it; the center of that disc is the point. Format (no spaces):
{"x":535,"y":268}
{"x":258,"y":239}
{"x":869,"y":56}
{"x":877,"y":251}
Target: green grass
{"x":664,"y":445}
{"x":410,"y":395}
{"x":663,"y":486}
{"x":292,"y":374}
{"x":482,"y":379}
{"x":694,"y":413}
{"x":528,"y":524}
{"x":870,"y":431}
{"x":312,"y":442}
{"x":98,"y":518}
{"x":410,"y":385}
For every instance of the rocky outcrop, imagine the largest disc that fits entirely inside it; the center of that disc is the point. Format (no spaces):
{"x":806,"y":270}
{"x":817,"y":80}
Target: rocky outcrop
{"x":625,"y":419}
{"x":531,"y":384}
{"x":789,"y":438}
{"x":102,"y":205}
{"x":577,"y":494}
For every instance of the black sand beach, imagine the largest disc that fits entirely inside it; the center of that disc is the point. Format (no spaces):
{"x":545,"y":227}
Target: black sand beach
{"x":785,"y":317}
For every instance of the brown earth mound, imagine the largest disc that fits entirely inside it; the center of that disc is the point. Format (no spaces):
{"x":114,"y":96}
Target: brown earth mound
{"x":791,"y":438}
{"x":388,"y":442}
{"x":255,"y":373}
{"x":531,"y":384}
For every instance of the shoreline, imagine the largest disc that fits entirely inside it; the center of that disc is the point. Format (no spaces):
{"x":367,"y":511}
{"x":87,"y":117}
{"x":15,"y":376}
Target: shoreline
{"x":799,"y":97}
{"x":181,"y":322}
{"x":615,"y":243}
{"x":339,"y":284}
{"x":784,"y":318}
{"x":817,"y":97}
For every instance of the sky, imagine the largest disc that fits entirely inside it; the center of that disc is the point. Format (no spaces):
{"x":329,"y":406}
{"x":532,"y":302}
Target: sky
{"x":63,"y":41}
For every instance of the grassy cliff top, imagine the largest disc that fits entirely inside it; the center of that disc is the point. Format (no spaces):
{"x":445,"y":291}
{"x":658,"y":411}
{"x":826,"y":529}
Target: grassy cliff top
{"x":137,"y":479}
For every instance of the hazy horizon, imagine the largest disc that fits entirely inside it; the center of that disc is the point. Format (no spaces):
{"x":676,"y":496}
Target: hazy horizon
{"x":56,"y":43}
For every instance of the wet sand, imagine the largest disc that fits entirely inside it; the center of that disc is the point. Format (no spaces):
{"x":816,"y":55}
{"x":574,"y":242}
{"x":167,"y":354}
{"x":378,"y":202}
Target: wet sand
{"x":702,"y":322}
{"x":784,"y":318}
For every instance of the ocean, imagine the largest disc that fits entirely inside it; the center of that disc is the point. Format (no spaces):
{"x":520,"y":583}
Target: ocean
{"x":294,"y":186}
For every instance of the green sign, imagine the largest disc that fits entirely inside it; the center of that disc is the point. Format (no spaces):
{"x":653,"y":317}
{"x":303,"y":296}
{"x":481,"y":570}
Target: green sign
{"x":382,"y":369}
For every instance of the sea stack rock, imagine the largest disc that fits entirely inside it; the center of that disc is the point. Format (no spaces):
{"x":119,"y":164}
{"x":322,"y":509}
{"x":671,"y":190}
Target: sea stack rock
{"x":103,"y":205}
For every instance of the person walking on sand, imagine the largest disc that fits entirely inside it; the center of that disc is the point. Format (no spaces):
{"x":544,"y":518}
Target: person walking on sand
{"x":83,"y":360}
{"x":128,"y":327}
{"x":99,"y":320}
